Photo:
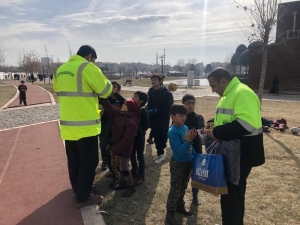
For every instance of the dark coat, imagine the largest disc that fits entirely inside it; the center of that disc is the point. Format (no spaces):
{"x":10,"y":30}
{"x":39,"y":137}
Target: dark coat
{"x":194,"y":120}
{"x":124,"y":129}
{"x":143,"y":124}
{"x":160,"y":100}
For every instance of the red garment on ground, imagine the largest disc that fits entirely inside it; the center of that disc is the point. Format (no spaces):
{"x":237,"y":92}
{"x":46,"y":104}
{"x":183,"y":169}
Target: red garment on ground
{"x":279,"y":124}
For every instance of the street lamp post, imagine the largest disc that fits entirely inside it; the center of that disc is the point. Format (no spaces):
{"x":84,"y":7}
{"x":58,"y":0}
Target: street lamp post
{"x":44,"y":73}
{"x":162,"y":66}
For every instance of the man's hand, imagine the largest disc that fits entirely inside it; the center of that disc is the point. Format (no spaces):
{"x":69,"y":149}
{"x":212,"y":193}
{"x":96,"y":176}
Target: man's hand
{"x":108,"y":147}
{"x":191,"y":135}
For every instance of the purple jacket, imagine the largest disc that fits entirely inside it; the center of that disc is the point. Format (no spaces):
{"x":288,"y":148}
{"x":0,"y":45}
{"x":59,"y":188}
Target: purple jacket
{"x":124,"y":129}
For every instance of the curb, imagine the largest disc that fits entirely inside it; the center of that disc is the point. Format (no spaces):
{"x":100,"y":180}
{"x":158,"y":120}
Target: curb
{"x":51,"y":96}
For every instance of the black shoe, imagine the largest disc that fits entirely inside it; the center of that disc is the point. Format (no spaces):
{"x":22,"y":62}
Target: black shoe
{"x":113,"y":183}
{"x":140,"y":179}
{"x":170,"y":217}
{"x":150,"y":141}
{"x":103,"y":167}
{"x":181,"y":209}
{"x":120,"y":185}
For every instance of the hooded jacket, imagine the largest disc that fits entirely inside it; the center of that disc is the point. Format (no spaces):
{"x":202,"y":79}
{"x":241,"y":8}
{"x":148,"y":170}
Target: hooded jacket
{"x":124,"y":129}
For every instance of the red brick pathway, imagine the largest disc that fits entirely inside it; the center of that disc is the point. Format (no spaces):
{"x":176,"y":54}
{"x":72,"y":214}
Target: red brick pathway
{"x":34,"y":182}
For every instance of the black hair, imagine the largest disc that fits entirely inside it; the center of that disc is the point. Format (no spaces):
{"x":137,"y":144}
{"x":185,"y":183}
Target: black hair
{"x":178,"y":108}
{"x":22,"y":81}
{"x":85,"y":50}
{"x":219,"y":73}
{"x":115,"y":82}
{"x":158,"y":76}
{"x":142,"y":96}
{"x":187,"y":97}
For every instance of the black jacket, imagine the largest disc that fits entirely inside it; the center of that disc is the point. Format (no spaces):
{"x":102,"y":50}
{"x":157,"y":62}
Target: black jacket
{"x":194,"y":120}
{"x":160,"y":100}
{"x":143,"y":124}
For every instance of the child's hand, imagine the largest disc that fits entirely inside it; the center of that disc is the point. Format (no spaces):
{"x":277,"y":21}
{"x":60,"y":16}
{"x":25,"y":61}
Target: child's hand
{"x":209,"y":125}
{"x":191,"y":135}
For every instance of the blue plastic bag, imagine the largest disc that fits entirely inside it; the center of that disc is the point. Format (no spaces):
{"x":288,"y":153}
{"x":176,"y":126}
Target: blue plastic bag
{"x":208,"y":174}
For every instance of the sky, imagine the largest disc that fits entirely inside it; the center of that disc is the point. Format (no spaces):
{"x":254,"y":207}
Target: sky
{"x":122,"y":30}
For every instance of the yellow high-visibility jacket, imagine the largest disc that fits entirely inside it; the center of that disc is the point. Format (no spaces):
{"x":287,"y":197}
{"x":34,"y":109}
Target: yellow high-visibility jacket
{"x":78,"y":83}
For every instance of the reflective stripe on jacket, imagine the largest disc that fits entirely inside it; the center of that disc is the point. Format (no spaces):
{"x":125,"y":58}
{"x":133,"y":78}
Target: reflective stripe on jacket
{"x":234,"y":105}
{"x":78,"y":83}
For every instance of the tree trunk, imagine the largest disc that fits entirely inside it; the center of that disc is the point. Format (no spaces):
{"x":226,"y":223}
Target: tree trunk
{"x":263,"y":73}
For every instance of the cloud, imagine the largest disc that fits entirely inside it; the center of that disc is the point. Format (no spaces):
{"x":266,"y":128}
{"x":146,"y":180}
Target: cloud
{"x":122,"y":30}
{"x":7,"y":3}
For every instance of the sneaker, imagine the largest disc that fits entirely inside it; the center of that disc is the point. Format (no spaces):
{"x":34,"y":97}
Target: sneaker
{"x":93,"y":200}
{"x":160,"y":159}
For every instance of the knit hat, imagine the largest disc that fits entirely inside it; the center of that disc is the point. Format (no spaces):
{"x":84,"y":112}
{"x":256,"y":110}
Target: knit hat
{"x":133,"y":106}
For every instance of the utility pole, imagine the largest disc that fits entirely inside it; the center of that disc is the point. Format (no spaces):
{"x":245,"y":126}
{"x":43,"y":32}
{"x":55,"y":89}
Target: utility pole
{"x":164,"y":59}
{"x":162,"y":64}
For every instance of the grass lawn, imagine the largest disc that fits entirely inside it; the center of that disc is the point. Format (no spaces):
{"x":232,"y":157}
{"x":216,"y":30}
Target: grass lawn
{"x":272,"y":193}
{"x":6,"y":94}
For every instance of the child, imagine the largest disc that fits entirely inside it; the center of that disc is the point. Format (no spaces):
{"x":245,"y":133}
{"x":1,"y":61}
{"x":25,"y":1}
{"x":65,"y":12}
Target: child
{"x":106,"y":122}
{"x":160,"y":100}
{"x":124,"y":129}
{"x":113,"y":166}
{"x":139,"y":141}
{"x":22,"y":89}
{"x":180,"y":138}
{"x":193,"y":120}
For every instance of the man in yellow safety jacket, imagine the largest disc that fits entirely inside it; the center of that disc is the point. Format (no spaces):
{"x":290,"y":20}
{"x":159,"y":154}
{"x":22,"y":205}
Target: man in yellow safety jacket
{"x":237,"y":116}
{"x":78,"y":83}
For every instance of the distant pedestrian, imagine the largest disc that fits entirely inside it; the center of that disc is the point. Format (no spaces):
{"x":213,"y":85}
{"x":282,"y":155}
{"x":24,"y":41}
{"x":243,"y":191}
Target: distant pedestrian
{"x":32,"y":78}
{"x":275,"y":87}
{"x":22,"y":96}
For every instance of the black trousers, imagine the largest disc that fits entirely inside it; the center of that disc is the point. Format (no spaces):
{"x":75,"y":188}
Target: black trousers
{"x":160,"y":140}
{"x":138,"y":155}
{"x":233,"y":204}
{"x":83,"y":158}
{"x":22,"y":98}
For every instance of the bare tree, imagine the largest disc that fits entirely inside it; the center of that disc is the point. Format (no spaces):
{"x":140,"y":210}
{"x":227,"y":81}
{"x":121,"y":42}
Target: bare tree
{"x":263,"y":17}
{"x":69,"y":47}
{"x":180,"y":65}
{"x":29,"y":62}
{"x":2,"y":56}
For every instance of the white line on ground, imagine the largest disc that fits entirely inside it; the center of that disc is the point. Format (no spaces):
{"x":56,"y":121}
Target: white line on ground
{"x":10,"y":156}
{"x":12,"y":128}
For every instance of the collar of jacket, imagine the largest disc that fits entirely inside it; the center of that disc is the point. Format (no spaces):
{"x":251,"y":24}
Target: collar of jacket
{"x":77,"y":58}
{"x":232,"y":83}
